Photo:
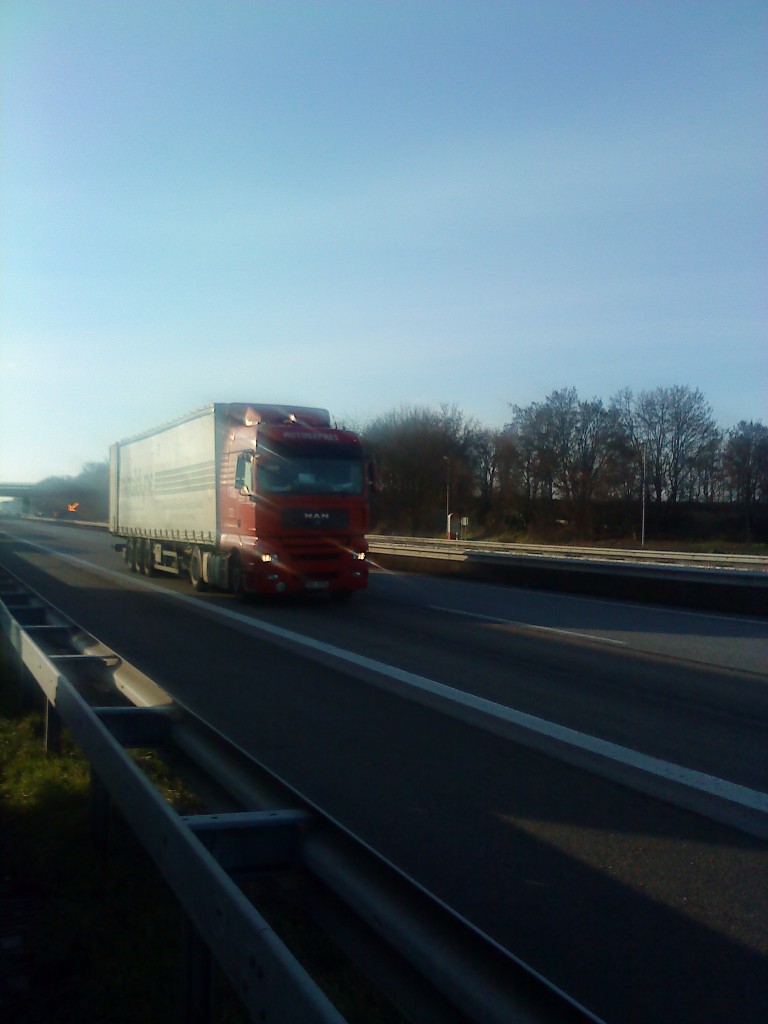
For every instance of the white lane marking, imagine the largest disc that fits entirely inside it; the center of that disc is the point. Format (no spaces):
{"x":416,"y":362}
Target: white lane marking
{"x":500,"y":620}
{"x":752,"y":799}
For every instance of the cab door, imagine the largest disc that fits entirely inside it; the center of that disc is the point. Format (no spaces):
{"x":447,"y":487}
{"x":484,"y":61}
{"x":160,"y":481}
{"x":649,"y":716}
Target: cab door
{"x":244,"y":492}
{"x":237,"y":497}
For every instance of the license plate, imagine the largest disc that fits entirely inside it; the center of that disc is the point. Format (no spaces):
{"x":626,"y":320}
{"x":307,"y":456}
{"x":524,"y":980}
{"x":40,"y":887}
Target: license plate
{"x":317,"y":584}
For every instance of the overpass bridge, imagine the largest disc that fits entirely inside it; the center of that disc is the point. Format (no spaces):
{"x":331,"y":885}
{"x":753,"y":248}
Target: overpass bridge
{"x":25,"y":497}
{"x":16,"y":490}
{"x":15,"y":497}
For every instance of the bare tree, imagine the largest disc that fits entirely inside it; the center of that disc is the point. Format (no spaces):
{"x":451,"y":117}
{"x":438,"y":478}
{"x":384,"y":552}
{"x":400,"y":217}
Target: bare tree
{"x":530,"y":434}
{"x":569,"y":449}
{"x":423,"y":456}
{"x":485,"y":451}
{"x":745,"y":462}
{"x":693,"y":437}
{"x":630,"y":463}
{"x":675,"y":428}
{"x":703,"y":472}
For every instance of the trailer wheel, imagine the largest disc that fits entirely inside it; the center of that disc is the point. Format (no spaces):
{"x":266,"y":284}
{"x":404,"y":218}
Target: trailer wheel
{"x":146,"y":560}
{"x":196,"y":570}
{"x":128,"y":553}
{"x":132,"y":554}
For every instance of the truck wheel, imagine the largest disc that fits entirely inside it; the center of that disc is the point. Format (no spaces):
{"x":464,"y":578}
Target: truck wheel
{"x":196,"y":570}
{"x":128,"y":553}
{"x":236,"y":578}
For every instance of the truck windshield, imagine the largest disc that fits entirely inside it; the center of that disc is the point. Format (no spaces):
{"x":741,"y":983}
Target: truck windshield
{"x":304,"y":474}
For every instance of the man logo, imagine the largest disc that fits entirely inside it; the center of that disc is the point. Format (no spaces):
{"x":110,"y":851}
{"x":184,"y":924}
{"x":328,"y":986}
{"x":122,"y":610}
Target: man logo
{"x":317,"y":517}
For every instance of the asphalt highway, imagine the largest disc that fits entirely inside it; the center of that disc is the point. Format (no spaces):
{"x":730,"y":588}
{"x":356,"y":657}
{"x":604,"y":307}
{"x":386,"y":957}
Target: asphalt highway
{"x":639,"y":909}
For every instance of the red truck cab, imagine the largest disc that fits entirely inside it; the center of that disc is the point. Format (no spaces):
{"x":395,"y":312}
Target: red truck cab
{"x":294,"y":505}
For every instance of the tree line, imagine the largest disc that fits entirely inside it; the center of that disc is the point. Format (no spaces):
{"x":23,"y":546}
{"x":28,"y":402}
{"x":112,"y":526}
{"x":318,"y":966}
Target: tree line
{"x":576,"y":467}
{"x":562,"y":468}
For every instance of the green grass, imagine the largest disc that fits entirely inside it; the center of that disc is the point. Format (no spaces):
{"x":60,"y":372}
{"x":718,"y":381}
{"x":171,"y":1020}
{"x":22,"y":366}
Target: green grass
{"x":91,"y":939}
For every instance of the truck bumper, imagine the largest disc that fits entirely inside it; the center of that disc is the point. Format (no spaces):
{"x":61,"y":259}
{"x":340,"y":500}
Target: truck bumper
{"x":274,"y":578}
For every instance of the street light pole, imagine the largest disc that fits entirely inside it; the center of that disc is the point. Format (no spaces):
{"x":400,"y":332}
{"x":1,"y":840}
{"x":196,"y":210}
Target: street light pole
{"x":447,"y":497}
{"x":642,"y":527}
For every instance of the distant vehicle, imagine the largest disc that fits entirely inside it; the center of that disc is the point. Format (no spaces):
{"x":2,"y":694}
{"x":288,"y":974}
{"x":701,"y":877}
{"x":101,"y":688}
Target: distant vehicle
{"x":250,"y":498}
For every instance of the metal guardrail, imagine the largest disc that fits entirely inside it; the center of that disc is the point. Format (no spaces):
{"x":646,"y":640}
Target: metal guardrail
{"x":462,"y":549}
{"x":734,"y":583}
{"x":269,"y":979}
{"x":108,"y":706}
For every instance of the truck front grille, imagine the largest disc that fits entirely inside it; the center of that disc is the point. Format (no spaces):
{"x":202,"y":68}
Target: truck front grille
{"x":315,"y":519}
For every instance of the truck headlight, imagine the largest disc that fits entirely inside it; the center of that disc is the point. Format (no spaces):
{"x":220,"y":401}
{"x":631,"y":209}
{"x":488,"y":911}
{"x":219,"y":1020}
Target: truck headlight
{"x":359,"y":556}
{"x":266,"y":557}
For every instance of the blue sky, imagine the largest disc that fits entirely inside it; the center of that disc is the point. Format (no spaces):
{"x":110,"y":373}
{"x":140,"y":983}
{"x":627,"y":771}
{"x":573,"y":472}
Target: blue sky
{"x":367,"y":204}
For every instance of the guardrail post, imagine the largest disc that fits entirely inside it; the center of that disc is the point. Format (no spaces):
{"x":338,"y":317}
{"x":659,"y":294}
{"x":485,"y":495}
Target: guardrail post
{"x":196,"y":972}
{"x":52,"y":729}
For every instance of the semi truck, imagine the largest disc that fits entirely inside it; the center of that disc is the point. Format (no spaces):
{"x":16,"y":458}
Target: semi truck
{"x":245,"y":497}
